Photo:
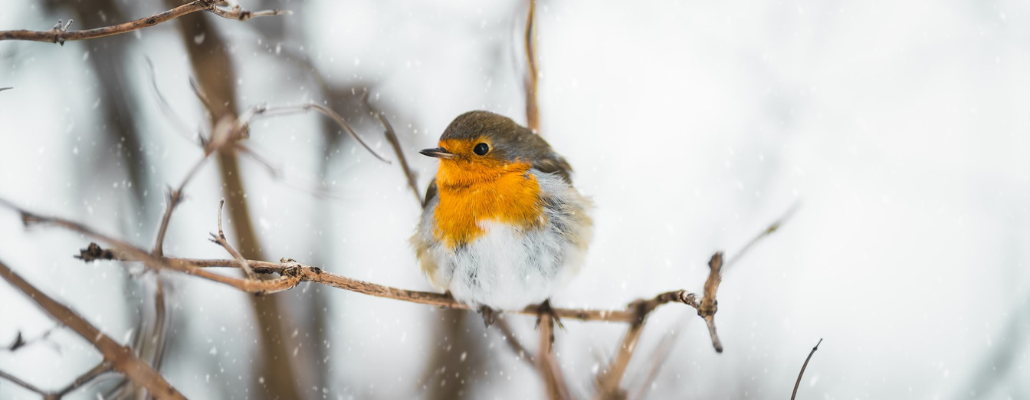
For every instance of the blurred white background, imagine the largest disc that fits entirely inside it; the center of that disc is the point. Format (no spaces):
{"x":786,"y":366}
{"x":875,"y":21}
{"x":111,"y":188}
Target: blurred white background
{"x":901,"y":127}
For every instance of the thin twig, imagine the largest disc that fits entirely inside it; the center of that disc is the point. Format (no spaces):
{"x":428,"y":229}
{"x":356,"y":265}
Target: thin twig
{"x":87,"y":377}
{"x":20,"y":341}
{"x":28,"y":386}
{"x":391,"y":137}
{"x":803,"y":366}
{"x":174,"y":197}
{"x":220,"y":239}
{"x":768,"y":231}
{"x":59,"y":33}
{"x":121,"y":358}
{"x":532,"y":107}
{"x":513,"y":342}
{"x":5,"y":88}
{"x":658,"y":357}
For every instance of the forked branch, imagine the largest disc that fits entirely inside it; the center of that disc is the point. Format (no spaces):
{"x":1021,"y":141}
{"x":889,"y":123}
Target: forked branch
{"x":120,"y":358}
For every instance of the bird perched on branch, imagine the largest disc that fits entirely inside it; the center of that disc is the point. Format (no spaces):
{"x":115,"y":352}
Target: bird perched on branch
{"x":502,"y":226}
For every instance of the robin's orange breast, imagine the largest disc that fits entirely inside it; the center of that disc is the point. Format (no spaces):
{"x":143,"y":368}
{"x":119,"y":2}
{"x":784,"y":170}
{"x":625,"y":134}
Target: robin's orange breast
{"x":471,"y":192}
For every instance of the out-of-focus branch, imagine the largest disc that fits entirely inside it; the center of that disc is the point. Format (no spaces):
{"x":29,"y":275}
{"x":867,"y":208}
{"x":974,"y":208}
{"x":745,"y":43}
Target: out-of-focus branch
{"x":773,"y":227}
{"x":608,"y":383}
{"x":513,"y":342}
{"x":391,"y":137}
{"x":119,"y":357}
{"x":5,"y":88}
{"x":803,"y":366}
{"x":532,"y":108}
{"x":59,"y":33}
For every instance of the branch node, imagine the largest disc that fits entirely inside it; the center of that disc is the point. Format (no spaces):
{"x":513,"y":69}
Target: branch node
{"x":94,"y":252}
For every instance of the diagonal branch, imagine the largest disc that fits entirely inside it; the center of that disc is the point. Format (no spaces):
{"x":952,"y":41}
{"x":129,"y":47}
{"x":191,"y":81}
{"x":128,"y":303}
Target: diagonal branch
{"x":391,"y":137}
{"x":803,"y":366}
{"x":532,"y":107}
{"x":120,"y":357}
{"x":60,"y":33}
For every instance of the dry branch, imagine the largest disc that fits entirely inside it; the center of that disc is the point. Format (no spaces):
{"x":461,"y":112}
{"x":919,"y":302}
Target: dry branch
{"x":391,"y":137}
{"x":532,"y":107}
{"x":59,"y":33}
{"x":120,"y":358}
{"x":803,"y":366}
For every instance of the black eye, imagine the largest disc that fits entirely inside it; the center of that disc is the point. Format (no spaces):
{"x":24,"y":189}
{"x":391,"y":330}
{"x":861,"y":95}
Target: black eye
{"x":481,"y":149}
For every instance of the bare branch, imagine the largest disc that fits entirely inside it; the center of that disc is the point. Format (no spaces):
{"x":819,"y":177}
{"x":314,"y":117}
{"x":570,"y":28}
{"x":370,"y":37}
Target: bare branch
{"x":658,"y":358}
{"x":28,"y":386}
{"x":532,"y":108}
{"x":100,"y":369}
{"x":547,"y":364}
{"x":5,"y":88}
{"x":174,"y":197}
{"x":609,"y":382}
{"x":391,"y":136}
{"x":513,"y":342}
{"x":120,"y":357}
{"x":803,"y":366}
{"x":59,"y":33}
{"x":768,"y":231}
{"x":220,"y":239}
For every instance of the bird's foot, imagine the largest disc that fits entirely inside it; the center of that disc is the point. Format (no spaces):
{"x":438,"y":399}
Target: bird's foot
{"x":489,"y":315}
{"x":545,"y":309}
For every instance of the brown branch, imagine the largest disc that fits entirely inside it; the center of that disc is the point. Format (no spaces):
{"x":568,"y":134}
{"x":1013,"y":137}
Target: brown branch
{"x":803,"y":366}
{"x":658,"y":357}
{"x":220,"y":239}
{"x":532,"y":108}
{"x":391,"y":137}
{"x":609,"y":382}
{"x":174,"y":197}
{"x":293,"y":273}
{"x":121,"y":358}
{"x":59,"y":33}
{"x":547,"y":363}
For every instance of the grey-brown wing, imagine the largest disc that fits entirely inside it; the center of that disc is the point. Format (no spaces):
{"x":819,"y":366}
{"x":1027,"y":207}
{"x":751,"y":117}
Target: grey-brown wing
{"x":430,"y":193}
{"x":554,"y":164}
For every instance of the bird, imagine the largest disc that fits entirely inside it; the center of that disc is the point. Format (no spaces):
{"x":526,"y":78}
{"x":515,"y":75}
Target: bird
{"x":502,"y":225}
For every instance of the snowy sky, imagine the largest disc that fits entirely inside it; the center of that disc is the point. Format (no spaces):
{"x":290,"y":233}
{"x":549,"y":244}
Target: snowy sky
{"x":900,"y":127}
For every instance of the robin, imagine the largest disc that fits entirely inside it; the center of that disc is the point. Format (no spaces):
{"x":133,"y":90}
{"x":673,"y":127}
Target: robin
{"x":502,"y":226}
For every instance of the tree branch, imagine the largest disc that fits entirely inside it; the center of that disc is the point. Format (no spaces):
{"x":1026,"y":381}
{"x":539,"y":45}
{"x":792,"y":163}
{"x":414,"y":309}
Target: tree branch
{"x":532,"y":108}
{"x":391,"y":137}
{"x":121,"y":358}
{"x":59,"y":33}
{"x":803,"y":366}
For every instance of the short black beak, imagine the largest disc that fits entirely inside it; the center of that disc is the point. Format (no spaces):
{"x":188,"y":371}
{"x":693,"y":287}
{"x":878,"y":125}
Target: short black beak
{"x":438,"y":152}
